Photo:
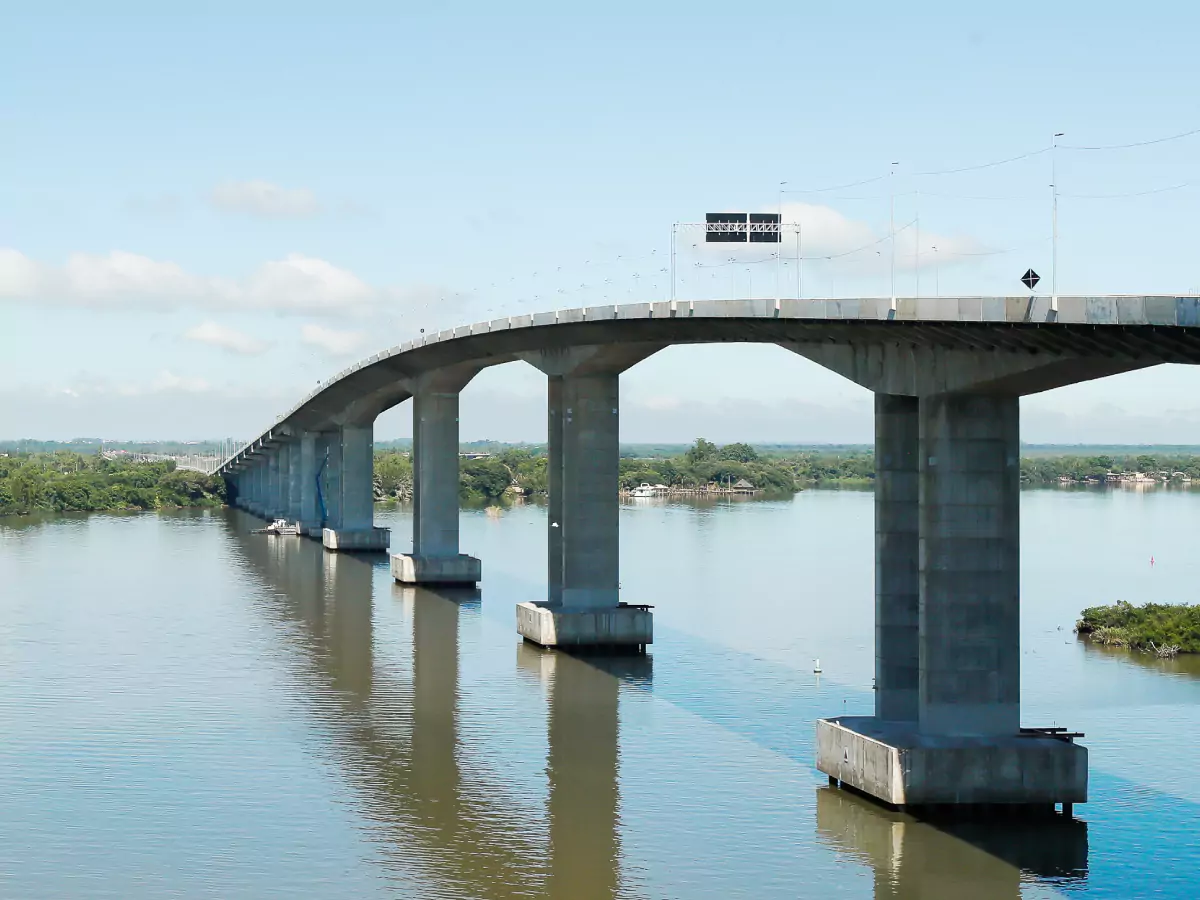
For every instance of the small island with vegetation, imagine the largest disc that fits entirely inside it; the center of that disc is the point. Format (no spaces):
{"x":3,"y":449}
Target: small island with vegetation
{"x":1164,"y":629}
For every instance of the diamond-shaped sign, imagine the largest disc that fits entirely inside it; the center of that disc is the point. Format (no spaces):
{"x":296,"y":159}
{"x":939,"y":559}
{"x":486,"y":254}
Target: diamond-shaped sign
{"x":1030,"y":279}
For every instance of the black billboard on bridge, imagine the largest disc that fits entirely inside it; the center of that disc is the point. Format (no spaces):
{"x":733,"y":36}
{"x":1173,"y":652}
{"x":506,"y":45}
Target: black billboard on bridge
{"x":740,"y":228}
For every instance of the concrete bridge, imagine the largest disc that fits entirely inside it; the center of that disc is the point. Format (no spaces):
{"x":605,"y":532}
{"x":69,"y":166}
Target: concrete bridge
{"x":948,"y":375}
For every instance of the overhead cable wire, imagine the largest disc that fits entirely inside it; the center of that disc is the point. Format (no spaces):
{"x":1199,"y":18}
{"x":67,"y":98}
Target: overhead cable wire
{"x":987,"y":165}
{"x":1161,"y":140}
{"x":835,"y":187}
{"x":1161,"y":190}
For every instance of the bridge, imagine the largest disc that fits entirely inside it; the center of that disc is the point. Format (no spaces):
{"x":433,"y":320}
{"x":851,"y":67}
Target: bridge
{"x":948,"y":375}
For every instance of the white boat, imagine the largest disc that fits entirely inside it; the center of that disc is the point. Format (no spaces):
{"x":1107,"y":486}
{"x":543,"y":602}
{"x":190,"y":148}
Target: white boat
{"x":643,"y":490}
{"x":281,"y":526}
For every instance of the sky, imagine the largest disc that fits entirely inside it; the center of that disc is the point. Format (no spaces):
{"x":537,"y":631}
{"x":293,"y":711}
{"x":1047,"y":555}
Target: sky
{"x":206,"y":211}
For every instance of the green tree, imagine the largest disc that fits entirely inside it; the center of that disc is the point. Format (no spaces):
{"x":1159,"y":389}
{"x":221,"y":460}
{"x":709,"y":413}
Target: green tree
{"x":739,"y":453}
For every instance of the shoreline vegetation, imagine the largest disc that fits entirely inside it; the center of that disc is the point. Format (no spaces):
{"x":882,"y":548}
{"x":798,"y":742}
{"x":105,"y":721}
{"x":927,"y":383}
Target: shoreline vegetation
{"x":85,"y":477}
{"x":65,"y":481}
{"x":1163,"y":629}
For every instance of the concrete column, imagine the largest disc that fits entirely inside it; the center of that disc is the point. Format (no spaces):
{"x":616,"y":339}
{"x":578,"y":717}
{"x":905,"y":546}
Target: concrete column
{"x":295,"y":475}
{"x":554,"y":488}
{"x":435,"y":558}
{"x":262,"y":474}
{"x":897,"y":581}
{"x":590,"y":484}
{"x":285,"y":477}
{"x":330,"y":465}
{"x":274,"y":484}
{"x":435,"y":473}
{"x":970,"y":651}
{"x":356,"y":529}
{"x":309,"y":514}
{"x":358,"y":470}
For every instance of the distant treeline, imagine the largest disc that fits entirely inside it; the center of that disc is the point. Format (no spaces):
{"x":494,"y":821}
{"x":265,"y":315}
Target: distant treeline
{"x":95,"y":445}
{"x":522,"y":470}
{"x":770,"y":469}
{"x":64,"y":481}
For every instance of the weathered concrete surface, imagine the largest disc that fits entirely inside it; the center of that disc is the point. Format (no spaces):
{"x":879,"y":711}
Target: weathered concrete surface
{"x":901,"y":766}
{"x":970,"y":646}
{"x":363,"y":539}
{"x":590,"y":483}
{"x":408,"y":568}
{"x":295,"y":483}
{"x":554,"y":488}
{"x":612,"y":627}
{"x":897,"y":574}
{"x":357,"y":471}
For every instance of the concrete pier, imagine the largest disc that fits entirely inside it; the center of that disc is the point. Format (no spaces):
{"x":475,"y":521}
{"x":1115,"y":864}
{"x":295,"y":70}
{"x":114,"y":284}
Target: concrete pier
{"x":436,"y":558}
{"x":947,"y":729}
{"x":583,"y":607}
{"x":356,"y":529}
{"x":970,"y":565}
{"x":292,"y":451}
{"x":275,"y":503}
{"x":309,"y":513}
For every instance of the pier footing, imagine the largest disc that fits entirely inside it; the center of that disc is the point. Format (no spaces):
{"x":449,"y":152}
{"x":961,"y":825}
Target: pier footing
{"x":617,"y":628}
{"x":410,"y":568}
{"x":364,"y":539}
{"x":894,"y":763}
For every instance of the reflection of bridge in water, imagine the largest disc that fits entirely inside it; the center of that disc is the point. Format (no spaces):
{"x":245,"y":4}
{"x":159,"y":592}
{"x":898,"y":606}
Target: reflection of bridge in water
{"x":403,"y":742}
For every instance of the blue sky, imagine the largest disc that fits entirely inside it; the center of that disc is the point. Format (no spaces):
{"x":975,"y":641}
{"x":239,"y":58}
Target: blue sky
{"x":202,"y":215}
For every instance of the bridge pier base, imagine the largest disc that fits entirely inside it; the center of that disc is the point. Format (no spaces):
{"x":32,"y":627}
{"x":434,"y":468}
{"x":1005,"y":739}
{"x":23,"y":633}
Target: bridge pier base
{"x":947,"y":728}
{"x":898,"y":764}
{"x":436,"y":558}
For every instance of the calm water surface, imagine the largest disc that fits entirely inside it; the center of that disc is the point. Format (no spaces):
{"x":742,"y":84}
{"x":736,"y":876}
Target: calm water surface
{"x":189,"y":710}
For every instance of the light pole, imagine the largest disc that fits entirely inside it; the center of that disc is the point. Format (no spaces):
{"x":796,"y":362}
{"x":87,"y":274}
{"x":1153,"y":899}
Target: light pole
{"x":937,"y":274}
{"x":1054,"y":221}
{"x":779,"y":255}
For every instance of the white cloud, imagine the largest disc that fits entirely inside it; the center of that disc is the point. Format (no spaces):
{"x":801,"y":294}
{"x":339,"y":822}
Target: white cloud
{"x":266,"y":200}
{"x":295,"y":284}
{"x":332,"y":341}
{"x":226,"y":338}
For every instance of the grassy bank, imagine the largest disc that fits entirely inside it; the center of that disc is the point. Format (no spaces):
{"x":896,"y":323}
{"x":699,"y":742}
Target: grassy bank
{"x":1162,"y":628}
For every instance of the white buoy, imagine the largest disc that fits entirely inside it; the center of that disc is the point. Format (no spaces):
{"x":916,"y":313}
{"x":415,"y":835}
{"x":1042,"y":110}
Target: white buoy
{"x":817,"y":666}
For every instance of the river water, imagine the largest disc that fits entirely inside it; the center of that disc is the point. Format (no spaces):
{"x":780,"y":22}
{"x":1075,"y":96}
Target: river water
{"x":189,"y":710}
